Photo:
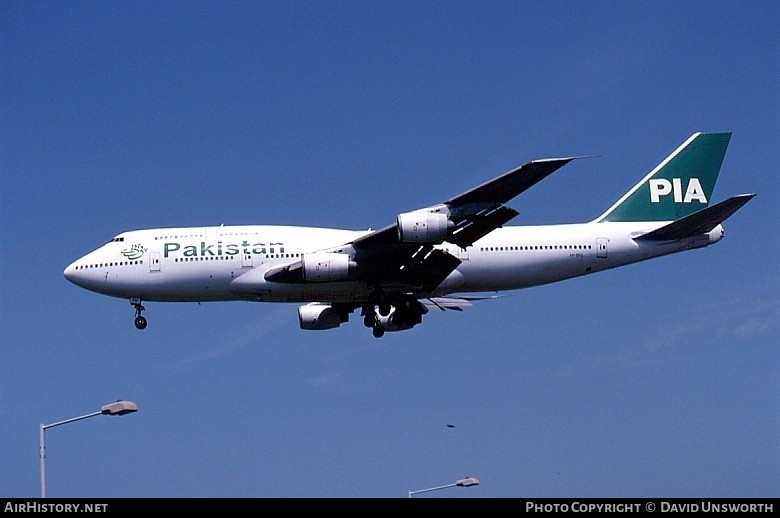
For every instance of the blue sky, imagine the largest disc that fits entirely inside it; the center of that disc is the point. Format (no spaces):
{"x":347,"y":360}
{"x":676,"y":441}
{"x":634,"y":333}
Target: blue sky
{"x":658,"y":379}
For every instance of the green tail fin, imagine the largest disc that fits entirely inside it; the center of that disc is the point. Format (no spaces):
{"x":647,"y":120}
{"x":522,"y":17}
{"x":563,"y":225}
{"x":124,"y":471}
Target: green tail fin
{"x":679,"y":186}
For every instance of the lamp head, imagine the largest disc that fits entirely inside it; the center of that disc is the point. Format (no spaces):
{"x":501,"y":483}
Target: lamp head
{"x":119,"y":408}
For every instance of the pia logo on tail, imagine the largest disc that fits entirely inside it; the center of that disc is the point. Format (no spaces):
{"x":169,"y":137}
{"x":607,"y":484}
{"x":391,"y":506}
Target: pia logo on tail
{"x":661,"y":187}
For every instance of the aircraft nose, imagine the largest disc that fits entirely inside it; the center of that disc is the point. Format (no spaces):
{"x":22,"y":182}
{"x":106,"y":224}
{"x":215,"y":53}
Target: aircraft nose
{"x":70,"y":272}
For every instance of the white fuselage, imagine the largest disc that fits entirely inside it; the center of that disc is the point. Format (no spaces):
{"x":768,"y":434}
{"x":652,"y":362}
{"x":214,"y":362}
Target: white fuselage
{"x":201,"y":264}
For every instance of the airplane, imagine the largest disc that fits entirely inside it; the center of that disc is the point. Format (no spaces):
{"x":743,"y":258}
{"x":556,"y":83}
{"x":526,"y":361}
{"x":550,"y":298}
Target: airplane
{"x":442,"y":257}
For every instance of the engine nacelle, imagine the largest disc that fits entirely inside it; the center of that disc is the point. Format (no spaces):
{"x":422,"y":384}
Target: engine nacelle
{"x":422,"y":227}
{"x":316,"y":316}
{"x":325,"y":266}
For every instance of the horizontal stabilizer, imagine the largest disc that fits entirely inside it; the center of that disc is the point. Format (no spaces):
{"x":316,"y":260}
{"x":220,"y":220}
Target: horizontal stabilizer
{"x":699,"y":222}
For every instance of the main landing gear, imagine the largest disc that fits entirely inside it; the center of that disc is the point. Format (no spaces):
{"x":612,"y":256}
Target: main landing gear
{"x":401,"y":312}
{"x":370,"y":320}
{"x":140,"y":321}
{"x":373,"y":314}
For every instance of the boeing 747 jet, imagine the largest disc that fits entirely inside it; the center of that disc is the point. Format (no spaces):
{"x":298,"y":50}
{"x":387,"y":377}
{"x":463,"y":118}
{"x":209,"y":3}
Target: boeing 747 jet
{"x":441,"y":257}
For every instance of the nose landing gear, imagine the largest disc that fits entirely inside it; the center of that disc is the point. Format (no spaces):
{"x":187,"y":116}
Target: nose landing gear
{"x":140,"y":321}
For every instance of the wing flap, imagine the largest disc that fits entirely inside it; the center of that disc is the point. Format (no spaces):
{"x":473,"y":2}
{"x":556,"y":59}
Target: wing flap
{"x":444,"y":303}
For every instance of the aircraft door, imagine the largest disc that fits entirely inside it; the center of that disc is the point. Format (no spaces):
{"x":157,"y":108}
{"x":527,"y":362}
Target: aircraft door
{"x":246,"y":259}
{"x":601,"y":246}
{"x":154,"y":261}
{"x":460,"y":253}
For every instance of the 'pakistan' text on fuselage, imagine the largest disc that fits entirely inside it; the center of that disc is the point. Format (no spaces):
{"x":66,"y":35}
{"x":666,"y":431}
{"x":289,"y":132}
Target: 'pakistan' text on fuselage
{"x":171,"y":249}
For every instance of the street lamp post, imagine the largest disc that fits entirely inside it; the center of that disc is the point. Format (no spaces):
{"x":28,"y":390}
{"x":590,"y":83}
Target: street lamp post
{"x":118,"y":408}
{"x":464,"y":482}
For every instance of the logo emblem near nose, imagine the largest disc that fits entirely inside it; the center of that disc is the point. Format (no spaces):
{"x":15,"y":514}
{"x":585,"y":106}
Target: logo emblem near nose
{"x":134,"y":252}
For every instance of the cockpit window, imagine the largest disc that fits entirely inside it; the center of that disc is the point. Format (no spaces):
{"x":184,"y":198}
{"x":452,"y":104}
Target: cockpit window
{"x":117,"y":239}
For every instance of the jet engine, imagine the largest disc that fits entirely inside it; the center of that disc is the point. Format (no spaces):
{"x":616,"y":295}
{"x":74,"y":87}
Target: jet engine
{"x":317,"y":316}
{"x":422,"y":226}
{"x":326,"y":266}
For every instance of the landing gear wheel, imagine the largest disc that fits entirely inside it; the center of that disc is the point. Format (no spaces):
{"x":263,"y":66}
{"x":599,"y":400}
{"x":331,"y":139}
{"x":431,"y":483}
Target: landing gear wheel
{"x":369,"y":320}
{"x":140,"y":323}
{"x":384,"y":309}
{"x":379,"y":331}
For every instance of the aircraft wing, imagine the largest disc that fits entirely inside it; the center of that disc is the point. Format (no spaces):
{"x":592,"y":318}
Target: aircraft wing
{"x":402,"y":257}
{"x":470,"y":216}
{"x":476,"y":212}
